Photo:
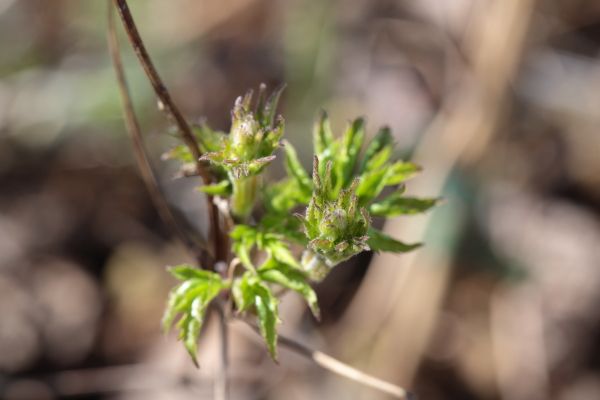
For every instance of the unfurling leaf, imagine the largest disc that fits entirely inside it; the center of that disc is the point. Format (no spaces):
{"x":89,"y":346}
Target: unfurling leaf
{"x":401,"y":171}
{"x":382,"y":140}
{"x":250,"y":294}
{"x":281,"y":252}
{"x":379,"y":241}
{"x":292,"y":279}
{"x":222,"y":188}
{"x":351,"y":143}
{"x":296,"y":170}
{"x":322,"y":136}
{"x":190,"y":299}
{"x":244,"y":239}
{"x":395,"y":204}
{"x":268,"y":316}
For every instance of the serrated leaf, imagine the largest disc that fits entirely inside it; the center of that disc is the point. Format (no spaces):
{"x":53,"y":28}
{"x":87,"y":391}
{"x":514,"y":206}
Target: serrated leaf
{"x":401,"y":171}
{"x":267,"y":309}
{"x":322,"y":135}
{"x":351,"y":144}
{"x":383,"y":139}
{"x":379,"y":241}
{"x":280,"y":251}
{"x":244,"y":238}
{"x":296,"y":170}
{"x":192,"y":328}
{"x":208,"y":139}
{"x":250,"y":293}
{"x":243,"y":250}
{"x":283,"y":196}
{"x":265,"y":112}
{"x":371,"y":184}
{"x":181,"y":153}
{"x":190,"y":299}
{"x":378,"y":160}
{"x":176,"y":296}
{"x":185,"y":272}
{"x":242,"y":295}
{"x":395,"y":204}
{"x":294,"y":280}
{"x":222,"y":188}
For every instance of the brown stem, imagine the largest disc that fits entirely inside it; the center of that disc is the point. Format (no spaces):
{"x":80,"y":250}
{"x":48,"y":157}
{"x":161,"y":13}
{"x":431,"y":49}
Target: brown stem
{"x":337,"y":367}
{"x":167,"y":103}
{"x":134,"y":131}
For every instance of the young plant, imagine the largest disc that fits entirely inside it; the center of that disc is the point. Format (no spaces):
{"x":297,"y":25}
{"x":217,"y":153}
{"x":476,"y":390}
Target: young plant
{"x":328,"y":215}
{"x":306,"y":225}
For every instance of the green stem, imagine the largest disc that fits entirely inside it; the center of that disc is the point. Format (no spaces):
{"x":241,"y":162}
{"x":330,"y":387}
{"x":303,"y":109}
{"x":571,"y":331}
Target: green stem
{"x":315,"y":265}
{"x":244,"y":196}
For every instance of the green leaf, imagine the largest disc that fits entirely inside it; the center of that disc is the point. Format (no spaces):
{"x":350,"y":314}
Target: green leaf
{"x":243,"y":249}
{"x":249,"y":292}
{"x":181,"y":153}
{"x":191,"y":329}
{"x":283,"y":196}
{"x":351,"y":143}
{"x":242,"y":293}
{"x":266,"y":307}
{"x":244,"y":238}
{"x":265,"y":111}
{"x":296,"y":170}
{"x":174,"y":302}
{"x":280,"y":251}
{"x":208,"y":139}
{"x":379,"y":241}
{"x":292,"y":279}
{"x":401,"y":171}
{"x":190,"y":300}
{"x":395,"y":204}
{"x":185,"y":272}
{"x":371,"y":184}
{"x":222,"y":188}
{"x":383,"y":139}
{"x":322,"y":135}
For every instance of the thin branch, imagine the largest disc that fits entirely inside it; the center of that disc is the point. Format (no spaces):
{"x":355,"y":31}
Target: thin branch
{"x":337,"y":367}
{"x":221,"y":382}
{"x":167,"y":103}
{"x":134,"y":131}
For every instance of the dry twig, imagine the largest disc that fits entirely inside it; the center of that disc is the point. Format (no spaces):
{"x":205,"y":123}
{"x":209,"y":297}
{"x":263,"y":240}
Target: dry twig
{"x":329,"y":363}
{"x":141,"y":158}
{"x":166,"y":102}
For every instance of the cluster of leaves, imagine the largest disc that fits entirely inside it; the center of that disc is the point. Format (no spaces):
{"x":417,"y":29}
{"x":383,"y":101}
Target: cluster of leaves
{"x":327,"y":216}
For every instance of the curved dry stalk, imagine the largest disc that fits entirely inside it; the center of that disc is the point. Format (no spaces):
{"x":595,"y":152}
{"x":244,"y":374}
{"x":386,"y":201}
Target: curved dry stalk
{"x":139,"y":151}
{"x":221,"y":381}
{"x":334,"y":365}
{"x":166,"y":102}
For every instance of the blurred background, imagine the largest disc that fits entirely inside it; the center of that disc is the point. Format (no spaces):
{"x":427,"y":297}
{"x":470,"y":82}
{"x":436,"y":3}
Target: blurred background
{"x":498,"y":100}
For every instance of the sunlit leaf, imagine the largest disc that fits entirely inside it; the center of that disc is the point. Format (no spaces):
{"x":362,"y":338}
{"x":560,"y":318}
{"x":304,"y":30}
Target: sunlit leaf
{"x":281,"y":252}
{"x":297,"y":171}
{"x":190,"y":300}
{"x":383,"y":139}
{"x":249,"y":293}
{"x":322,"y":135}
{"x":379,"y":241}
{"x":351,"y":144}
{"x":266,"y":307}
{"x":401,"y":171}
{"x":395,"y":204}
{"x":292,"y":279}
{"x":222,"y":188}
